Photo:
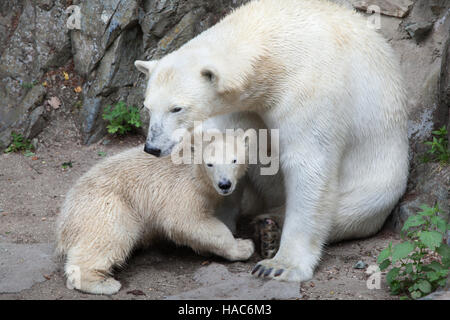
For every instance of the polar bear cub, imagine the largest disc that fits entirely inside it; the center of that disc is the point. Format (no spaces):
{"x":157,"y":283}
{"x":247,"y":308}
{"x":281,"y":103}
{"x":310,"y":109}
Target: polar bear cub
{"x":131,"y":198}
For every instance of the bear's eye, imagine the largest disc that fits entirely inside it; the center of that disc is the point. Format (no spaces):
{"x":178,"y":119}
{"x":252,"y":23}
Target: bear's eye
{"x":209,"y":165}
{"x":234,"y":161}
{"x":176,"y":109}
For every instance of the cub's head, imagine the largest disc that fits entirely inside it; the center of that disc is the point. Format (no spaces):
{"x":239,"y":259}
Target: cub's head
{"x":225,"y":162}
{"x":183,"y":87}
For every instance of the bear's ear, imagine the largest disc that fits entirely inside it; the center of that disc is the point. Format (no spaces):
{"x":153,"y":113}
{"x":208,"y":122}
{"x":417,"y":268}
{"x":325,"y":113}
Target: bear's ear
{"x":224,"y":79}
{"x":146,"y":67}
{"x":217,"y":79}
{"x":210,"y":74}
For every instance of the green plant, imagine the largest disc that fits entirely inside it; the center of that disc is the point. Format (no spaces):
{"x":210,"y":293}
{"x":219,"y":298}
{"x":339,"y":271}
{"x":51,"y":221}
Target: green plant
{"x":68,"y":164}
{"x":439,"y":147}
{"x":19,"y":144}
{"x":29,"y":85}
{"x":122,"y":118}
{"x":78,"y":104}
{"x":420,"y":264}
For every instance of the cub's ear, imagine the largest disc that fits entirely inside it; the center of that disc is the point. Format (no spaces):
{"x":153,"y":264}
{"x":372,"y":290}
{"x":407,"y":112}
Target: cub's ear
{"x":146,"y":67}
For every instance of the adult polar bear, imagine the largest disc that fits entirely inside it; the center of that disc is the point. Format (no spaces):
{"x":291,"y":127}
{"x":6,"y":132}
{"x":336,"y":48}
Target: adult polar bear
{"x":332,"y":86}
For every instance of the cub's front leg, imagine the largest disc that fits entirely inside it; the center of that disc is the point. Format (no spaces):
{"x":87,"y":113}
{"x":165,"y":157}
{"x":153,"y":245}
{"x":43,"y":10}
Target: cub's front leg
{"x":209,"y":234}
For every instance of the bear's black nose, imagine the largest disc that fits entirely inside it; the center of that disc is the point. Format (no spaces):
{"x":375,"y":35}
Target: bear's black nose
{"x":153,"y":151}
{"x":225,"y":185}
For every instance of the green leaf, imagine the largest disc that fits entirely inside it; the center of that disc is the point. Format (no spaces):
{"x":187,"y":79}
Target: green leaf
{"x":444,"y":272}
{"x":395,"y":287}
{"x":413,"y":287}
{"x":409,"y":268}
{"x":386,"y":253}
{"x":431,"y":239}
{"x":436,"y":266}
{"x":386,"y":263}
{"x":402,"y":250}
{"x":413,"y":221}
{"x":424,"y":286}
{"x":392,"y":275}
{"x":437,"y":275}
{"x":444,"y":251}
{"x":66,"y":165}
{"x":112,"y":129}
{"x":427,"y":211}
{"x":432,"y":276}
{"x":416,"y":294}
{"x":440,"y":223}
{"x":442,"y":282}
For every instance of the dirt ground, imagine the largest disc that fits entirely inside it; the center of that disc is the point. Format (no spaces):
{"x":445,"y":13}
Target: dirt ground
{"x":32,"y":191}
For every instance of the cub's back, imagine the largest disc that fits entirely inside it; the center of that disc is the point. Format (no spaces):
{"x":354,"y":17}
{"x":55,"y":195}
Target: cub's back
{"x":136,"y":177}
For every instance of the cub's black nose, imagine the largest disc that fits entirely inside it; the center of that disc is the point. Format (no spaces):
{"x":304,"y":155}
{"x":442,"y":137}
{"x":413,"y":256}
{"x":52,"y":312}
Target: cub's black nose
{"x":225,"y":185}
{"x":153,"y":151}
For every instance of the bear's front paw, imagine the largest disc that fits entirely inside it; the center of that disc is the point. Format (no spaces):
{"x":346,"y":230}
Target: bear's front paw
{"x":279,"y":270}
{"x":243,"y":250}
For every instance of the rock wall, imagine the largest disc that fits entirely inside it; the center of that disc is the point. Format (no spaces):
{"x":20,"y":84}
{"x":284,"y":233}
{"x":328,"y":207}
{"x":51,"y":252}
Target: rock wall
{"x":36,"y":48}
{"x":115,"y":33}
{"x":33,"y":40}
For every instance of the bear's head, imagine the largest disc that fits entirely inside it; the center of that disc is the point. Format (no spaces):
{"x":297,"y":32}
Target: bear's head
{"x":225,"y":161}
{"x":184,"y":88}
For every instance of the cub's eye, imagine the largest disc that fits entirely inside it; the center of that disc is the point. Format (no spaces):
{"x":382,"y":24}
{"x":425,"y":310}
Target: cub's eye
{"x":209,"y":165}
{"x":176,"y":109}
{"x":234,"y":161}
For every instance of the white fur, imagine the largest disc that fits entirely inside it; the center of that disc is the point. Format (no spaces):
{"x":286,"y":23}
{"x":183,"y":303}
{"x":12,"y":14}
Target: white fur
{"x":132,"y":198}
{"x":258,"y":196}
{"x":331,"y":85}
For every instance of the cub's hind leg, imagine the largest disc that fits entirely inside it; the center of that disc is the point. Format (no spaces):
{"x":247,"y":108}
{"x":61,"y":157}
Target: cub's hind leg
{"x":106,"y":242}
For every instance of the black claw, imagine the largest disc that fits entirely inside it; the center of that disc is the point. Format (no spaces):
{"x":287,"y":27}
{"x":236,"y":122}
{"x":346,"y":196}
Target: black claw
{"x":278,"y":272}
{"x":268,"y":271}
{"x":256,"y":268}
{"x":261,"y":271}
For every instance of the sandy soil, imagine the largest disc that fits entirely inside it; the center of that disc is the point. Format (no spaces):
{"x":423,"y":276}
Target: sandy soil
{"x":32,"y":191}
